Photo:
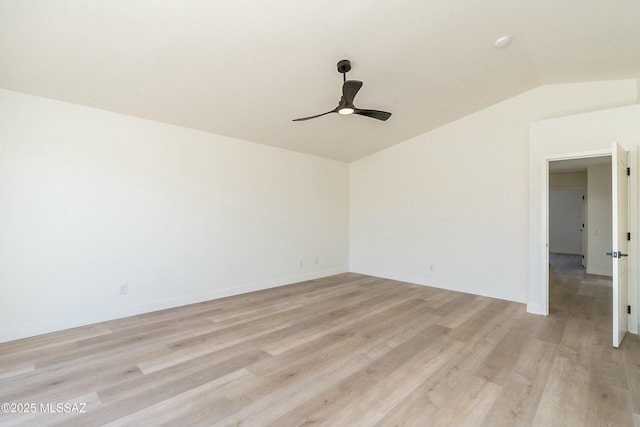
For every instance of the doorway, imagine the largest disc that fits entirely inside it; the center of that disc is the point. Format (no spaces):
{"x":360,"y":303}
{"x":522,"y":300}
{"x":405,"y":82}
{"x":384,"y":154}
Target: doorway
{"x":568,"y":235}
{"x":606,"y":224}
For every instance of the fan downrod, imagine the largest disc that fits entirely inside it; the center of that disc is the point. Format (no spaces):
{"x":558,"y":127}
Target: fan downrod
{"x":344,"y":66}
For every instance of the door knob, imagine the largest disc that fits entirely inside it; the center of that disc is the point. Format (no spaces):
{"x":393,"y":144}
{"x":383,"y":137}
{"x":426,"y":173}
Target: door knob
{"x":615,"y":254}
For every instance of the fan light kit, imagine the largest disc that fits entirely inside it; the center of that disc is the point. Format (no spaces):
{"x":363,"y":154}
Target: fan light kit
{"x":502,"y":42}
{"x":349,"y":90}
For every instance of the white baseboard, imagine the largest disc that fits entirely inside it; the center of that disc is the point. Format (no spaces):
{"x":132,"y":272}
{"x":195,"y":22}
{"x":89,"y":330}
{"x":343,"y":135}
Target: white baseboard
{"x":564,"y":252}
{"x":84,"y":319}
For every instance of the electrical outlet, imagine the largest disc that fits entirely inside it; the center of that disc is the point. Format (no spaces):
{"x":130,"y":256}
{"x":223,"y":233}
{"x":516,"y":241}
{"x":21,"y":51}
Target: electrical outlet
{"x":301,"y":263}
{"x":315,"y":261}
{"x":432,"y":267}
{"x":124,"y":289}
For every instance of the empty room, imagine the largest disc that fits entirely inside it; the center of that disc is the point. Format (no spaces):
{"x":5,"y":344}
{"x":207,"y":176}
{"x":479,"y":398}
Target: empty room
{"x":332,"y":213}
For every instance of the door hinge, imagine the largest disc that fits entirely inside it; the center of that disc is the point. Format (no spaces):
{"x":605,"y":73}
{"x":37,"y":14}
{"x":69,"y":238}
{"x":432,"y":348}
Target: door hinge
{"x":582,"y":256}
{"x":628,"y":309}
{"x":582,"y":197}
{"x":628,"y":171}
{"x":628,"y":236}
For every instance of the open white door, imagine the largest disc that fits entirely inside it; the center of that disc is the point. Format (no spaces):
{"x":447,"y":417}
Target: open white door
{"x":583,"y":230}
{"x":619,"y":251}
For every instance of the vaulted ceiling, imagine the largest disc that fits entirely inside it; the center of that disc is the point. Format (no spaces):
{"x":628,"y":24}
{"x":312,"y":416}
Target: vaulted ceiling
{"x":245,"y":68}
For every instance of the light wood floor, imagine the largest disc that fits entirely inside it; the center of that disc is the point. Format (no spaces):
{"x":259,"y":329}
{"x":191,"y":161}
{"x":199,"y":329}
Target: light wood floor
{"x":346,"y":350}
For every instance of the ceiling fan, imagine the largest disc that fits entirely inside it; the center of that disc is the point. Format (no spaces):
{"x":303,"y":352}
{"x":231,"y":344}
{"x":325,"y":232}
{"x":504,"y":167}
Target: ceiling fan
{"x":349,"y":90}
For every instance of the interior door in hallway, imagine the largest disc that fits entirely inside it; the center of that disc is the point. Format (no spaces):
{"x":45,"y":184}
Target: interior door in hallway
{"x":566,"y":220}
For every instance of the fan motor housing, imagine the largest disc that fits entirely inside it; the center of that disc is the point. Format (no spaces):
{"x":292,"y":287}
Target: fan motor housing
{"x":344,"y":66}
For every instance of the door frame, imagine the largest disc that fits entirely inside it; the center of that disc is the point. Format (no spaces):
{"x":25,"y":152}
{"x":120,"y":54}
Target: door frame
{"x":539,"y":288}
{"x":544,"y":258}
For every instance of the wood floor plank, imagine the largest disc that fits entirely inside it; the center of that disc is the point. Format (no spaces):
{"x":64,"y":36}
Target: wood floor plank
{"x":470,"y":404}
{"x":371,"y":406}
{"x":464,"y":312}
{"x":485,"y":318}
{"x":565,"y":397}
{"x":386,"y":325}
{"x":500,"y":362}
{"x":553,"y":329}
{"x":631,"y":364}
{"x":117,"y":345}
{"x":321,"y":367}
{"x":520,"y":396}
{"x":319,"y":409}
{"x":117,"y":403}
{"x":274,"y":394}
{"x":66,"y":382}
{"x":187,"y":408}
{"x":608,"y":405}
{"x":56,"y":339}
{"x":221,"y":362}
{"x":19,"y":368}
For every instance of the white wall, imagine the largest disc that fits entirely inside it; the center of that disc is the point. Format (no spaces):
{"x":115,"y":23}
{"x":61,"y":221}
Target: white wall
{"x":570,"y":137}
{"x":449,"y":208}
{"x":565,"y":221}
{"x":91,"y":200}
{"x":600,"y":220}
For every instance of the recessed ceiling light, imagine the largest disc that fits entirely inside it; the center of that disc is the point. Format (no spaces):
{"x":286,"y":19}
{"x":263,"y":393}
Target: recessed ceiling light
{"x":502,"y":42}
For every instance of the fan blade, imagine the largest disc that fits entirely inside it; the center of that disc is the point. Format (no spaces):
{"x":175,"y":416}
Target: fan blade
{"x":380,"y":115}
{"x":350,"y":89}
{"x":313,"y":117}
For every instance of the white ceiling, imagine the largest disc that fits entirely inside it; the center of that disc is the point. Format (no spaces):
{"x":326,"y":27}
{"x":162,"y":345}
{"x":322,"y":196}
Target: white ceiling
{"x":245,"y":68}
